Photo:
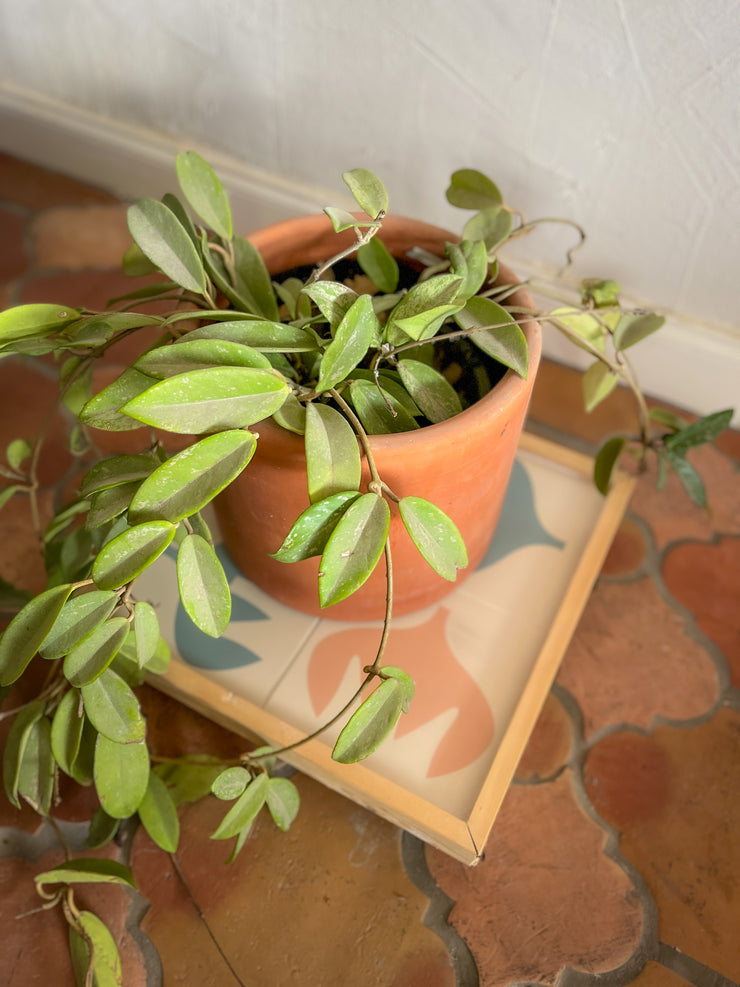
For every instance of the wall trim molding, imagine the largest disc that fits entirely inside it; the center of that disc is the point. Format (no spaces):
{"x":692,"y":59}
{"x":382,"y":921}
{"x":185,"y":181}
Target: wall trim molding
{"x":693,"y":365}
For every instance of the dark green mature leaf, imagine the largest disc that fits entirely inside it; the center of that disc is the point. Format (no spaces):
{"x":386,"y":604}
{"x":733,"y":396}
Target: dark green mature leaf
{"x":606,"y":460}
{"x":689,"y":477}
{"x":634,"y":327}
{"x":91,"y":657}
{"x":121,"y":775}
{"x":252,"y":273}
{"x":704,"y":430}
{"x":158,"y":814}
{"x":87,"y":870}
{"x":354,"y":335}
{"x":146,"y":632}
{"x":209,"y":400}
{"x":94,"y":953}
{"x":162,"y":238}
{"x":310,"y":533}
{"x":470,"y":189}
{"x":367,"y":190}
{"x":36,"y":774}
{"x":231,"y":783}
{"x":332,"y":453}
{"x":128,"y":554}
{"x":104,"y":409}
{"x":199,"y":354}
{"x":115,"y":470}
{"x":242,"y":814}
{"x":267,"y":337}
{"x":492,"y":225}
{"x":283,"y":801}
{"x":435,"y":535}
{"x":379,"y":264}
{"x":41,"y":319}
{"x":598,"y":382}
{"x":191,"y":479}
{"x":502,"y":339}
{"x":204,"y":588}
{"x":102,"y":829}
{"x":425,"y":306}
{"x":15,"y":747}
{"x":369,"y":725}
{"x":78,"y":618}
{"x":432,"y":392}
{"x":378,"y":410}
{"x":353,"y":548}
{"x":205,"y":193}
{"x":113,"y":709}
{"x":66,"y":730}
{"x":27,"y":630}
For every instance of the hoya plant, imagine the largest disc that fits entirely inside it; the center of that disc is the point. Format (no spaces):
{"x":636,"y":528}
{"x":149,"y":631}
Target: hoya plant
{"x":328,"y":361}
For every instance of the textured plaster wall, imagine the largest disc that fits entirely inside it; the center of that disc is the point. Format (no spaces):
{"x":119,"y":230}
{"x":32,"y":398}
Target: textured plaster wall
{"x":622,"y":114}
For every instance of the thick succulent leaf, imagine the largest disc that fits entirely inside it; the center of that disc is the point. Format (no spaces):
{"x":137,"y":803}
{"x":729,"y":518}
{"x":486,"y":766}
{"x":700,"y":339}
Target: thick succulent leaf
{"x":354,"y":335}
{"x":267,"y":337}
{"x":283,"y":801}
{"x":191,"y":479}
{"x":199,"y":354}
{"x":469,"y":261}
{"x":102,"y":829}
{"x":251,"y":272}
{"x":158,"y":814}
{"x":36,"y":774}
{"x":66,"y":730}
{"x":91,"y":657}
{"x":104,"y":409}
{"x":190,"y":780}
{"x":597,"y":382}
{"x":704,"y":430}
{"x":379,"y":264}
{"x":423,"y":308}
{"x":117,"y":469}
{"x":377,"y":409}
{"x":435,"y":535}
{"x":26,"y":631}
{"x":209,"y":400}
{"x":128,"y":554}
{"x":492,"y":225}
{"x":231,"y":783}
{"x":162,"y":238}
{"x":121,"y":775}
{"x":244,"y":811}
{"x":634,"y":327}
{"x":78,"y":618}
{"x":605,"y":461}
{"x":582,"y":328}
{"x":15,"y":747}
{"x":204,"y":588}
{"x":367,"y":190}
{"x":342,"y":220}
{"x":87,"y":870}
{"x":690,"y":479}
{"x":105,"y":505}
{"x":310,"y":533}
{"x":500,"y":337}
{"x":433,"y":393}
{"x":113,"y":709}
{"x":369,"y":725}
{"x":41,"y":319}
{"x":146,"y":632}
{"x":332,"y":452}
{"x":353,"y":548}
{"x":94,"y":954}
{"x":470,"y":189}
{"x":332,"y":299}
{"x":205,"y":193}
{"x":291,"y":415}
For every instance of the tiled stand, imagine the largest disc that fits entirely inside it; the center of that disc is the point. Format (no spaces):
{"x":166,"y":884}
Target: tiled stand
{"x":615,"y":858}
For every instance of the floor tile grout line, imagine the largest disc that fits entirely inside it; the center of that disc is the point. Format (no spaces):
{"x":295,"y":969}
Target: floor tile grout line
{"x":690,"y":969}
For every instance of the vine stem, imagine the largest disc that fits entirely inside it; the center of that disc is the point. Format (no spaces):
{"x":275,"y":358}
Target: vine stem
{"x":361,"y":241}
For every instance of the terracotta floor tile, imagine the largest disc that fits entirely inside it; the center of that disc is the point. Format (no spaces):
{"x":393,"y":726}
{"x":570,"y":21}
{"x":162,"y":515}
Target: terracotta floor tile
{"x":627,"y":551}
{"x":549,"y":745}
{"x":706,"y":580}
{"x":631,"y":660}
{"x":38,"y":188}
{"x":13,"y":258}
{"x":656,"y":975}
{"x":74,"y":238}
{"x":545,"y":896}
{"x":675,"y":798}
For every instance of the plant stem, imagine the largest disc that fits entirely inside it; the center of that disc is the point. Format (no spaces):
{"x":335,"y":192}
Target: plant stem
{"x":362,"y":239}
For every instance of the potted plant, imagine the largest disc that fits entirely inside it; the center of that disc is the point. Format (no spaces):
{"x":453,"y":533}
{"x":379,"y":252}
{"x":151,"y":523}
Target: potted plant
{"x":328,"y":375}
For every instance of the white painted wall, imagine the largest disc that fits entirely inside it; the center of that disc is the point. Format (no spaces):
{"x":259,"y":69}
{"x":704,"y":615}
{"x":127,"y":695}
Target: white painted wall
{"x":621,"y":114}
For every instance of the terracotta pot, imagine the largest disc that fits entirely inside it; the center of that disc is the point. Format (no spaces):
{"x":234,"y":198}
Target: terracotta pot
{"x":462,"y":465}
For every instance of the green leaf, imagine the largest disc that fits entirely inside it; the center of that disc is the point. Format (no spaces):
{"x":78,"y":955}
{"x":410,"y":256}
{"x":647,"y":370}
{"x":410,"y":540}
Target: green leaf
{"x":205,"y":193}
{"x":283,"y":801}
{"x":252,"y":273}
{"x":117,"y":469}
{"x":268,"y":337}
{"x":162,"y":238}
{"x":333,"y":299}
{"x":190,"y":779}
{"x":353,"y":548}
{"x":95,"y":950}
{"x":24,"y":321}
{"x":121,"y":775}
{"x":244,"y":811}
{"x":82,"y":767}
{"x":27,"y":630}
{"x":78,"y":618}
{"x":36,"y":774}
{"x":291,"y":415}
{"x":379,"y":412}
{"x":231,"y":783}
{"x":432,"y":392}
{"x":470,"y":189}
{"x":105,"y":505}
{"x":426,"y":305}
{"x":582,"y":328}
{"x":598,"y":382}
{"x":102,"y":829}
{"x":15,"y":747}
{"x":6,"y":494}
{"x":104,"y":409}
{"x":87,"y":870}
{"x":600,"y":293}
{"x":369,"y":725}
{"x":136,"y":264}
{"x":690,"y":479}
{"x":183,"y":216}
{"x":355,"y":334}
{"x":204,"y":588}
{"x":113,"y":709}
{"x":670,"y":419}
{"x":379,"y":264}
{"x":500,"y":337}
{"x":199,"y":354}
{"x":91,"y":657}
{"x":367,"y":190}
{"x":492,"y":225}
{"x":468,"y":261}
{"x":606,"y":460}
{"x":158,"y":814}
{"x":435,"y":535}
{"x":130,"y":553}
{"x":342,"y":220}
{"x":17,"y":451}
{"x":66,"y":730}
{"x":210,"y":400}
{"x":146,"y":631}
{"x":191,"y":479}
{"x":704,"y":430}
{"x":332,"y":452}
{"x":310,"y":533}
{"x":634,"y":327}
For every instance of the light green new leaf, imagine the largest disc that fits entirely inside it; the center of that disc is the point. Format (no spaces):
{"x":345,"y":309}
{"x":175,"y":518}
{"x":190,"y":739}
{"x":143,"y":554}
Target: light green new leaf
{"x":332,"y":452}
{"x":244,"y":811}
{"x":435,"y":535}
{"x":163,"y":239}
{"x":36,"y":774}
{"x":470,"y":189}
{"x":210,"y":400}
{"x":501,"y":338}
{"x":15,"y":747}
{"x":669,"y":418}
{"x":6,"y":494}
{"x":354,"y":335}
{"x":91,"y":657}
{"x":158,"y":814}
{"x":17,"y":451}
{"x":342,"y":220}
{"x":199,"y":354}
{"x":492,"y":225}
{"x":26,"y":631}
{"x":353,"y":548}
{"x":267,"y":337}
{"x":66,"y":730}
{"x":583,"y":329}
{"x":704,"y":430}
{"x":433,"y":393}
{"x":191,"y":479}
{"x":128,"y":554}
{"x":310,"y":532}
{"x":333,"y":299}
{"x":121,"y":775}
{"x":94,"y":953}
{"x":87,"y":870}
{"x":231,"y":783}
{"x":634,"y":327}
{"x":24,"y":321}
{"x":117,"y":469}
{"x":104,"y":409}
{"x":597,"y":382}
{"x":602,"y":293}
{"x":379,"y":264}
{"x":78,"y":618}
{"x":205,"y":193}
{"x":367,"y":190}
{"x":204,"y":588}
{"x":369,"y":725}
{"x":113,"y":709}
{"x":378,"y":410}
{"x":146,"y":631}
{"x":283,"y":801}
{"x":605,"y":461}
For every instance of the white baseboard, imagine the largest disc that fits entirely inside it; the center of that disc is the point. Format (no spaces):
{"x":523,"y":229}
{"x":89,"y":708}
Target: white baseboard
{"x":694,"y":366}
